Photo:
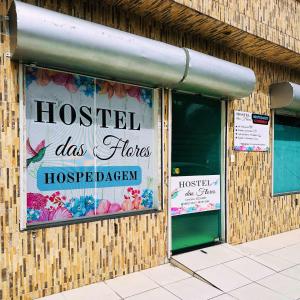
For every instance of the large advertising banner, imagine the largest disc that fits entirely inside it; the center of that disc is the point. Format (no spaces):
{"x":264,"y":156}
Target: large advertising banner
{"x":92,"y":146}
{"x":194,"y":194}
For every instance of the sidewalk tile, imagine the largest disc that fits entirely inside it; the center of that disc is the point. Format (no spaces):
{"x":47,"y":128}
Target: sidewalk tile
{"x":159,"y":293}
{"x":192,"y":289}
{"x":223,"y":297}
{"x":289,"y":237}
{"x":293,"y":272}
{"x":245,"y":250}
{"x":274,"y":262}
{"x":291,"y":253}
{"x":257,"y":292}
{"x":165,"y":274}
{"x":224,"y":278}
{"x":264,"y":245}
{"x":207,"y":257}
{"x":58,"y":296}
{"x":131,"y":284}
{"x":283,"y":285}
{"x":249,"y":268}
{"x":94,"y":291}
{"x":222,"y":253}
{"x":274,"y":242}
{"x":194,"y":260}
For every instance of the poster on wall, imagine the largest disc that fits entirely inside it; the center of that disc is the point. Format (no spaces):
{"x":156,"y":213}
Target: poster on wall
{"x":194,"y":194}
{"x":92,"y":147}
{"x":251,"y":131}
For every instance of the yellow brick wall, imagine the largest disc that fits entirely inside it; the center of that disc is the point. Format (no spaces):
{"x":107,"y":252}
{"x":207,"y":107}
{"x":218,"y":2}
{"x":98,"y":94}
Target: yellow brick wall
{"x":276,"y":21}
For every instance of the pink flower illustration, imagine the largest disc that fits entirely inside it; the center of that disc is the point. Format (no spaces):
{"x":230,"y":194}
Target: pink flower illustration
{"x":70,"y":85}
{"x":135,"y":92}
{"x":36,"y":201}
{"x":60,"y":78}
{"x":134,"y":197}
{"x":114,"y":207}
{"x":57,"y":199}
{"x":127,"y":205}
{"x":176,"y":211}
{"x":120,"y":90}
{"x":90,"y":213}
{"x":103,"y":207}
{"x":44,"y":216}
{"x":66,"y":80}
{"x":52,"y":214}
{"x":107,"y":88}
{"x":43,"y":77}
{"x":210,"y":206}
{"x":60,"y":213}
{"x":137,"y":203}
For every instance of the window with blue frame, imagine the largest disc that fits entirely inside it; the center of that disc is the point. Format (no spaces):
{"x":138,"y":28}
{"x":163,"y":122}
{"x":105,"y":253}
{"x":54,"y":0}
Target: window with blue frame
{"x":286,"y":170}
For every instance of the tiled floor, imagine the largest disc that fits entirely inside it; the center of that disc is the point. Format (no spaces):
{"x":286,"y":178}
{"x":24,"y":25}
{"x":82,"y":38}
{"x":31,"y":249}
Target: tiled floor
{"x":266,"y":269}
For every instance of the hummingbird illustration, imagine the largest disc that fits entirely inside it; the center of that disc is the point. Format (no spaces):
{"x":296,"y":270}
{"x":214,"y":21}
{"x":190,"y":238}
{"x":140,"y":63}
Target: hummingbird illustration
{"x":37,"y":154}
{"x":174,"y":194}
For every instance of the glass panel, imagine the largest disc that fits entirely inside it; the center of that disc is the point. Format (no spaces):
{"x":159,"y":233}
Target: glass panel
{"x":195,"y":229}
{"x":128,"y":106}
{"x":195,"y":135}
{"x":286,"y":154}
{"x":93,"y":147}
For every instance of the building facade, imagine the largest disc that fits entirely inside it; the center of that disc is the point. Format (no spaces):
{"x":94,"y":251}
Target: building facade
{"x":254,"y":200}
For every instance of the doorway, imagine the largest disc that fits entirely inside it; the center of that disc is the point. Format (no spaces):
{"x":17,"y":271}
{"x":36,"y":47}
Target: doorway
{"x":196,"y":167}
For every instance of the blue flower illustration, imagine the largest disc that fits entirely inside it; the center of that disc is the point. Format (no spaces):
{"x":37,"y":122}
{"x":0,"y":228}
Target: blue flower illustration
{"x":147,"y":198}
{"x":191,"y":209}
{"x":98,"y":86}
{"x":146,"y":96}
{"x":81,"y":206}
{"x":29,"y":77}
{"x":85,"y":84}
{"x":33,"y":214}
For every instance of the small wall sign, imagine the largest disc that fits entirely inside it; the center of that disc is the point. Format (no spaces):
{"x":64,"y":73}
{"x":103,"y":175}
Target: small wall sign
{"x":251,"y":131}
{"x":192,"y":194}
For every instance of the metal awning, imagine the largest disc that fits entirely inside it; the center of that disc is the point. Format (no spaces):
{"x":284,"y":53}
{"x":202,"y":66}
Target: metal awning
{"x":285,"y":95}
{"x":50,"y":39}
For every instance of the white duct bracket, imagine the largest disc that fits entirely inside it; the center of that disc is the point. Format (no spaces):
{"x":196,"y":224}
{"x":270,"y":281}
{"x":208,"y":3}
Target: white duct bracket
{"x":50,"y":39}
{"x":286,"y":96}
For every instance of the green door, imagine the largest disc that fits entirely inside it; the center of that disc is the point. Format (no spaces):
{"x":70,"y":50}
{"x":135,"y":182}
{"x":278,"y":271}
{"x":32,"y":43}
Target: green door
{"x":196,"y":151}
